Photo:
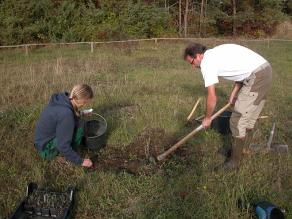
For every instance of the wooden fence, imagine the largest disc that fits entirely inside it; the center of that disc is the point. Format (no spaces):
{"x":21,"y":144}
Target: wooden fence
{"x":155,"y":40}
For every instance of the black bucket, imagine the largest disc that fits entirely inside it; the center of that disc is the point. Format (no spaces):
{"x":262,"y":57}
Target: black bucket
{"x":266,"y":210}
{"x":95,"y":128}
{"x":221,"y":123}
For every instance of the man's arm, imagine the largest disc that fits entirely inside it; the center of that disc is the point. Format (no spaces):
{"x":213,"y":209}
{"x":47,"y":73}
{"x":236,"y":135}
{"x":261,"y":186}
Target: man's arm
{"x":236,"y":87}
{"x":210,"y":106}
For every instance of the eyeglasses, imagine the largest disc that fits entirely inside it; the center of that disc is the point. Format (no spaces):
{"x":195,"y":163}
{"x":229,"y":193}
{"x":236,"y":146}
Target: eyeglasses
{"x":192,"y":62}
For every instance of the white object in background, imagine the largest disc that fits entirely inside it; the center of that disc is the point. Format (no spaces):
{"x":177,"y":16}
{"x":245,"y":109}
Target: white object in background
{"x":86,"y":111}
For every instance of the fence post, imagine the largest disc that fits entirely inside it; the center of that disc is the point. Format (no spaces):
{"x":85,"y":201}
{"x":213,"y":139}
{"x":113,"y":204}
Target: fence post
{"x":268,"y":43}
{"x":26,"y":50}
{"x":155,"y":43}
{"x":91,"y":45}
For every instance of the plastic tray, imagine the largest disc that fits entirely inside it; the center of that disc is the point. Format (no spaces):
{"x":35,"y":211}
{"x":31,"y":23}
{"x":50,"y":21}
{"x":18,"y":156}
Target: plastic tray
{"x":45,"y":204}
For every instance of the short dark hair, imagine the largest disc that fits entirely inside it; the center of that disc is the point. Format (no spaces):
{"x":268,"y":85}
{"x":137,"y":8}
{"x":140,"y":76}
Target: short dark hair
{"x":193,"y":49}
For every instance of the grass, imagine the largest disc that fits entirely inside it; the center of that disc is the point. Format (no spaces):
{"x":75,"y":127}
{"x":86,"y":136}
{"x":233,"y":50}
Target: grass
{"x":164,"y":87}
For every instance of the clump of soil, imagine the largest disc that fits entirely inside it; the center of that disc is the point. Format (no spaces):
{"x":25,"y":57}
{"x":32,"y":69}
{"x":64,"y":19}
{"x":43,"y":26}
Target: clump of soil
{"x":139,"y":156}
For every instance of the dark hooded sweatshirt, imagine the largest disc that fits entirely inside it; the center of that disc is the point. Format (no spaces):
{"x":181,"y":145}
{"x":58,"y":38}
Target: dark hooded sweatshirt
{"x":58,"y":120}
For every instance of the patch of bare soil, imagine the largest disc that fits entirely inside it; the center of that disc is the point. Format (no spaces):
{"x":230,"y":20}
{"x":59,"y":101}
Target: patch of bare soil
{"x":139,"y":156}
{"x":151,"y":142}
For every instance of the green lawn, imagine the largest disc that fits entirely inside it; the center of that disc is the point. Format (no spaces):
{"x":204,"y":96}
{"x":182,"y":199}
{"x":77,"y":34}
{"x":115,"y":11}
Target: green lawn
{"x":140,"y":86}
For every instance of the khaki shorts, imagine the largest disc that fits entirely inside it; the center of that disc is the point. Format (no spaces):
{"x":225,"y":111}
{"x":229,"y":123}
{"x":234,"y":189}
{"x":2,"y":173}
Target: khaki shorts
{"x":251,"y":100}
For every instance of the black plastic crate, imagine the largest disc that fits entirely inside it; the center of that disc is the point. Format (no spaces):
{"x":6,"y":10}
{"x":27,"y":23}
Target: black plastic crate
{"x":45,"y":203}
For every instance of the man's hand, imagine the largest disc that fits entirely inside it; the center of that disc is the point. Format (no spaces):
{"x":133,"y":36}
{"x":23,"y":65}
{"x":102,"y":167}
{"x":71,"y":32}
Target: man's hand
{"x":87,"y":163}
{"x":233,"y":96}
{"x":232,"y":99}
{"x":206,"y":122}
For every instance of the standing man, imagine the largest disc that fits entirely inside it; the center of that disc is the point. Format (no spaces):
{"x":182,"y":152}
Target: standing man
{"x":252,"y":76}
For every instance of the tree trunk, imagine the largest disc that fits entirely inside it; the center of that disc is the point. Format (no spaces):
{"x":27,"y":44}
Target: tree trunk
{"x":201,"y":16}
{"x":234,"y":17}
{"x":186,"y":18}
{"x":179,"y":15}
{"x":205,"y":18}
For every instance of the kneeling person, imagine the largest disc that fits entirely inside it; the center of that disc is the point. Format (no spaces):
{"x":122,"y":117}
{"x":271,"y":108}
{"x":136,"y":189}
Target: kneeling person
{"x":58,"y":130}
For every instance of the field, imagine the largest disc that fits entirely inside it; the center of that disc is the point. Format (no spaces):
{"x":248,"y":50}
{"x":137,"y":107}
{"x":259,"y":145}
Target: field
{"x":145,"y":91}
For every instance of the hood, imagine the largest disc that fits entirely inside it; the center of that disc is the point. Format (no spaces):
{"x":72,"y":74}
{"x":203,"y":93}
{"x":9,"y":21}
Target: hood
{"x":61,"y":99}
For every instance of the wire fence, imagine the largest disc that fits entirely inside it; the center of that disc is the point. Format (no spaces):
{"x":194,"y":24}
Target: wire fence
{"x":155,"y":40}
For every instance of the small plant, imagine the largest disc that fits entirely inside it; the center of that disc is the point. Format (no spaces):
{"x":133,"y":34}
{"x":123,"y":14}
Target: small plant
{"x":46,"y":203}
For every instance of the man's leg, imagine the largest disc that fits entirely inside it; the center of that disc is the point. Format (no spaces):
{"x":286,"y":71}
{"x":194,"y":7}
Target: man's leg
{"x":239,"y":122}
{"x":260,"y":86}
{"x":247,"y":109}
{"x":250,"y":130}
{"x":248,"y":141}
{"x":237,"y":146}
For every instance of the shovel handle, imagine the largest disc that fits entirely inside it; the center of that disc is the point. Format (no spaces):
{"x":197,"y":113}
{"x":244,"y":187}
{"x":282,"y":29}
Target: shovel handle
{"x":187,"y":137}
{"x":218,"y":113}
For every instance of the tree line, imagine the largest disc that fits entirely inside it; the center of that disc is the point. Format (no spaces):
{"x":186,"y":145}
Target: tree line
{"x":27,"y":21}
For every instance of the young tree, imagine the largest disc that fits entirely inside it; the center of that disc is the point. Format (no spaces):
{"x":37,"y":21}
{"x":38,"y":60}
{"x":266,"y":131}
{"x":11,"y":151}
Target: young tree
{"x":186,"y":18}
{"x":233,"y":2}
{"x":179,"y":18}
{"x":202,"y":17}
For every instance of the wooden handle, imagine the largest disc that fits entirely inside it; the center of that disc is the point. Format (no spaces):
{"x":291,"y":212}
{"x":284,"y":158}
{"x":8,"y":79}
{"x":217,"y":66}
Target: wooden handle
{"x":194,"y":108}
{"x":263,"y":117}
{"x":220,"y":111}
{"x":187,"y":137}
{"x":178,"y":144}
{"x":202,"y":116}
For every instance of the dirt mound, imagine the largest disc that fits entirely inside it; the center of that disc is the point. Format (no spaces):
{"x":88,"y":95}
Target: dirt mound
{"x":151,"y":142}
{"x":138,"y":156}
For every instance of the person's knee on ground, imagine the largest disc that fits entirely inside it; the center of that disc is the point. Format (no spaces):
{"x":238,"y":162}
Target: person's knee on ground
{"x":66,"y":110}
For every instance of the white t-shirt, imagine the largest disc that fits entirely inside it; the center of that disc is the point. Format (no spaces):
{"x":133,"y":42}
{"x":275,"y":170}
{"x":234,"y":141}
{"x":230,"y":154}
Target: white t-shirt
{"x":230,"y":61}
